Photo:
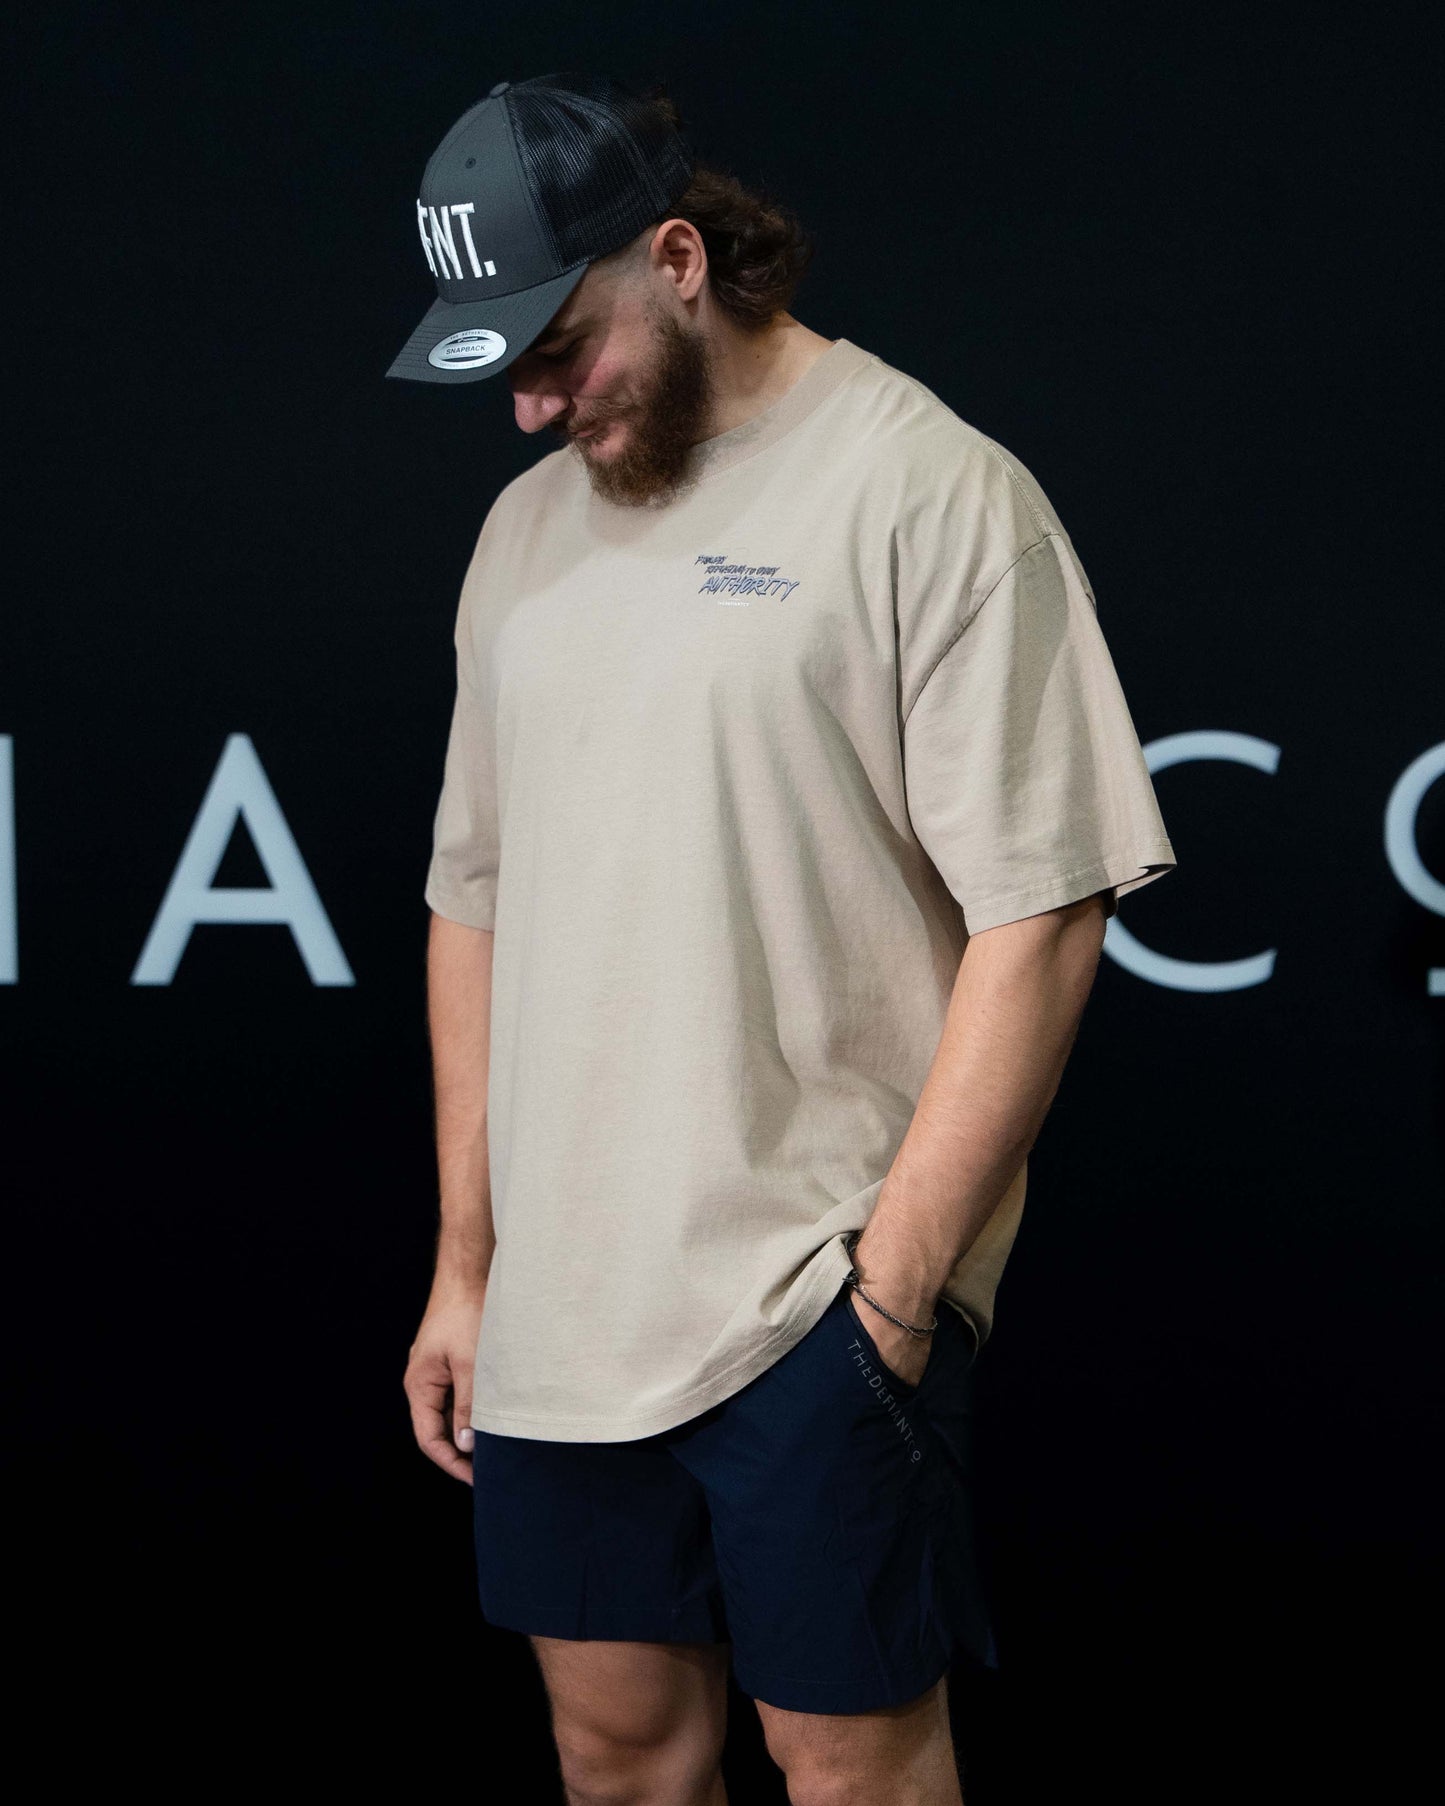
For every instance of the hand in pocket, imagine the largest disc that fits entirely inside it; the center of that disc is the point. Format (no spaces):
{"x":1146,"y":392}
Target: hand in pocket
{"x":902,"y":1356}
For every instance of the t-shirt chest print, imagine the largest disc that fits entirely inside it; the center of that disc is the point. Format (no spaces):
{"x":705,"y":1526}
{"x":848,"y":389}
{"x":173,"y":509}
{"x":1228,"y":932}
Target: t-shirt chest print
{"x":735,"y":584}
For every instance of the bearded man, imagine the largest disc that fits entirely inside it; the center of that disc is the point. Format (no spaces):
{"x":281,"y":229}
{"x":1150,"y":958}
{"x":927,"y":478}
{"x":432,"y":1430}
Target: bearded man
{"x":789,"y":790}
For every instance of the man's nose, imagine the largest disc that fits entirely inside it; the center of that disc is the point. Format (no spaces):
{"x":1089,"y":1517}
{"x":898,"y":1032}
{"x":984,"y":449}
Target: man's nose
{"x":537,"y":407}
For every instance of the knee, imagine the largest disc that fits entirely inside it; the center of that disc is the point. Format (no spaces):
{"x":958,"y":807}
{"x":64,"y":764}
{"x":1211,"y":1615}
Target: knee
{"x":634,"y":1765}
{"x":818,"y":1777}
{"x":837,"y":1761}
{"x":598,"y":1770}
{"x":815,"y":1784}
{"x":815,"y":1767}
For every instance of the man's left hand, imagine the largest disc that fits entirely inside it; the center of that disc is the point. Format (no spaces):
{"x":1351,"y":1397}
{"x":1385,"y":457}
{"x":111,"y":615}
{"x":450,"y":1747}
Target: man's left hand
{"x":905,"y":1356}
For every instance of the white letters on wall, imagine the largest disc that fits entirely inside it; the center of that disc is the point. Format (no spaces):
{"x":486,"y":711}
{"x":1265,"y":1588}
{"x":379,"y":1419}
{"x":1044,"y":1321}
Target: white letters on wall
{"x":239,"y":786}
{"x":1402,"y":849}
{"x":9,"y":928}
{"x":1186,"y":974}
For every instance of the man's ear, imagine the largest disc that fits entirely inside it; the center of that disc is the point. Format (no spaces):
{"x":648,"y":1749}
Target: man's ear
{"x":677,"y":248}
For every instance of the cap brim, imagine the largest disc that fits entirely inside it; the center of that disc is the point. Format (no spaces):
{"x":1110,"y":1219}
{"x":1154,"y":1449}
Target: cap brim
{"x":503,"y":328}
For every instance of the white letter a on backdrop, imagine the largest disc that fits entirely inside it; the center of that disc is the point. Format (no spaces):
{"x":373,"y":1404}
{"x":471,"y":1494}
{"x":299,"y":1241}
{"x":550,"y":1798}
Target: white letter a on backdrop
{"x":240,"y":787}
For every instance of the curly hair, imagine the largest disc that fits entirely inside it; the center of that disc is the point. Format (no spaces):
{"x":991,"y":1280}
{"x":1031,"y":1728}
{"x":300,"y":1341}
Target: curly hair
{"x":757,"y":250}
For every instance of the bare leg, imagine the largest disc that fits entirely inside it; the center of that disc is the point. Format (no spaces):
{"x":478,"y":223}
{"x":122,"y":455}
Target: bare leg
{"x":900,"y":1754}
{"x":637,"y":1724}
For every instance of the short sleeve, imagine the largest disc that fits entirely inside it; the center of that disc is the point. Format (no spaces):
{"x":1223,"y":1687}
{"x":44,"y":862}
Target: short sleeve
{"x":462,"y":879}
{"x":1026,"y":783}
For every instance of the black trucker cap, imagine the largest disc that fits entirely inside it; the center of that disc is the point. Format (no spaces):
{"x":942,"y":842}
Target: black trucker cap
{"x":526,"y":189}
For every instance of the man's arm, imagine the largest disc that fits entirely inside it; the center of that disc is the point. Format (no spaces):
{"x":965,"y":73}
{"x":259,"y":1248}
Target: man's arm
{"x":459,"y":1013}
{"x":1015,"y":1010}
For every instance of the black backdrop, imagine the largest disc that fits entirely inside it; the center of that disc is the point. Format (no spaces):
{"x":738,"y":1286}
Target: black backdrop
{"x":1174,"y":264}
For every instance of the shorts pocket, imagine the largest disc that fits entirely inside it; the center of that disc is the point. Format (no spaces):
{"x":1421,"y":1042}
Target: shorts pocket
{"x":886,"y":1494}
{"x":904,"y":1388}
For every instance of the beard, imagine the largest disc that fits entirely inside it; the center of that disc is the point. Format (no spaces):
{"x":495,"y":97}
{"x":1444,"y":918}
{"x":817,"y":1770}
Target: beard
{"x":665,"y":421}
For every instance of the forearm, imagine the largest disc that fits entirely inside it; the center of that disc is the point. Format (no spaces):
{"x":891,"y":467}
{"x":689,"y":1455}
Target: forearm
{"x":1011,"y":1024}
{"x":459,"y":1008}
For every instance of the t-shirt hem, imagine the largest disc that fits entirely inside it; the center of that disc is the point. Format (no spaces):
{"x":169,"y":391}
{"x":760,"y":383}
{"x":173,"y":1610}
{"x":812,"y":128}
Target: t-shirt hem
{"x":1124,"y":874}
{"x":684,"y":1405}
{"x":470,"y":915}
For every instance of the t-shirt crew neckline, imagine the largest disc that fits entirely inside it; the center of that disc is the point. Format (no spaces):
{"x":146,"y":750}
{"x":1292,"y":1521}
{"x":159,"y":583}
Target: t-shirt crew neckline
{"x":817,"y":382}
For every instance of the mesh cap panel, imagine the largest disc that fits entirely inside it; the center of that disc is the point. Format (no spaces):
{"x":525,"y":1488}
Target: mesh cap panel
{"x":603,"y":166}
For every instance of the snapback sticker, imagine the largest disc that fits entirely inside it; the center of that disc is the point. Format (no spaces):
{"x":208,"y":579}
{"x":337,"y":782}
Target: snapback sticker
{"x":465,"y":350}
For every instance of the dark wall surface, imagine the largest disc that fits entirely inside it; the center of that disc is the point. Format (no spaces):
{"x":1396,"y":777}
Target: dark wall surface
{"x":1173,"y":262}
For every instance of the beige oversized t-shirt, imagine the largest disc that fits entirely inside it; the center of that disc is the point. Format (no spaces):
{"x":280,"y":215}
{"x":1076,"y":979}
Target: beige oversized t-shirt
{"x":732,"y":780}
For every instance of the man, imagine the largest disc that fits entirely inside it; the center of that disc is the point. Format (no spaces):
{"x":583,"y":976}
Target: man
{"x":788,"y":792}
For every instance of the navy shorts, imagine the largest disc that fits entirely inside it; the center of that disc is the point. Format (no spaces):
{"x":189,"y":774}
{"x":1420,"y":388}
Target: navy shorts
{"x":818,"y":1520}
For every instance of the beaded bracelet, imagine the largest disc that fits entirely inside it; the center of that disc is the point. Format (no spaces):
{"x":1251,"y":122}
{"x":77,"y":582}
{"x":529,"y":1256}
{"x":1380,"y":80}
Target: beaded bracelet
{"x":856,"y":1282}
